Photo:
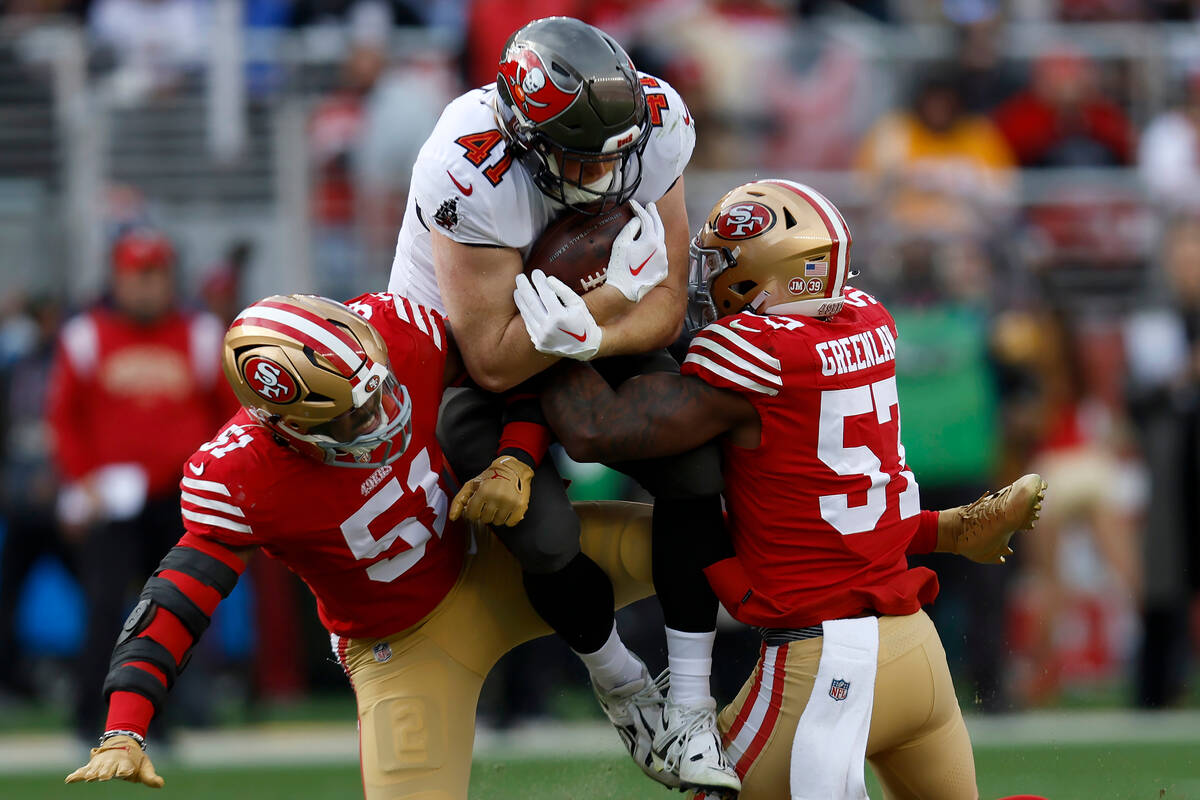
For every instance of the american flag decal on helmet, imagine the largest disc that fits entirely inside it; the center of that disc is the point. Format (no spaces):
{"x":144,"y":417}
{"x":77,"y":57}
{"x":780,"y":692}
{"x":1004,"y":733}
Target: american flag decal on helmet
{"x":839,"y":689}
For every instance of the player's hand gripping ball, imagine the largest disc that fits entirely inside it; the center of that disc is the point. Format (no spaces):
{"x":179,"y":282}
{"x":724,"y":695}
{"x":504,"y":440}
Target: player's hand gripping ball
{"x":638,"y":261}
{"x":557,"y":320}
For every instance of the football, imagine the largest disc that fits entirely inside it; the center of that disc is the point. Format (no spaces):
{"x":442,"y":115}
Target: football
{"x":575,"y":247}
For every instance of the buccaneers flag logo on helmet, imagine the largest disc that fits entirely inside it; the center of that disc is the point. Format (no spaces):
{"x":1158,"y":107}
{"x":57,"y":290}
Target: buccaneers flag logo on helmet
{"x":532,"y":88}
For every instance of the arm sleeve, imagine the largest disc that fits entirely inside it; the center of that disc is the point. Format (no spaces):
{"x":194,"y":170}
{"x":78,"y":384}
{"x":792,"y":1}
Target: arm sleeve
{"x":733,"y":358}
{"x":525,"y":435}
{"x":925,"y":539}
{"x":174,"y":610}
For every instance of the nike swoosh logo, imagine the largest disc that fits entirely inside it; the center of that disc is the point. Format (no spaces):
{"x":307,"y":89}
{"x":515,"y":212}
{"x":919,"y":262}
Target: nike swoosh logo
{"x":466,"y":190}
{"x":579,"y":337}
{"x":197,"y":469}
{"x":634,"y":272}
{"x":733,"y":323}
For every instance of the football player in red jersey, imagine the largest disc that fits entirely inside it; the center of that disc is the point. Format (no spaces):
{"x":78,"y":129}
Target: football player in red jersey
{"x":794,"y":371}
{"x":332,"y":467}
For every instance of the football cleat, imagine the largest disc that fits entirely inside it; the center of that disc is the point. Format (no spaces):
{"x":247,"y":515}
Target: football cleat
{"x":688,"y":745}
{"x":635,"y":709}
{"x":981,"y":530}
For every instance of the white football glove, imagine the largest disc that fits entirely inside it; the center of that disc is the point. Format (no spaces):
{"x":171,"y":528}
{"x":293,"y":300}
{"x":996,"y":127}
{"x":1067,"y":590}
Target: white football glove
{"x":638,"y":263}
{"x":557,"y":320}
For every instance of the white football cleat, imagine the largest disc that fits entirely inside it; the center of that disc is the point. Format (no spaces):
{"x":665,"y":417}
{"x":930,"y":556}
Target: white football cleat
{"x":636,"y":710}
{"x":688,"y":745}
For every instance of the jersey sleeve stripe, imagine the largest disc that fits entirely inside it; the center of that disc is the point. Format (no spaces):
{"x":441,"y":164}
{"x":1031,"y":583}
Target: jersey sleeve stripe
{"x":206,"y":486}
{"x":418,"y":318}
{"x":400,"y":306}
{"x":435,"y":325}
{"x":750,"y":350}
{"x":216,"y":522}
{"x":738,"y":361}
{"x":215,"y":505}
{"x":704,"y":363}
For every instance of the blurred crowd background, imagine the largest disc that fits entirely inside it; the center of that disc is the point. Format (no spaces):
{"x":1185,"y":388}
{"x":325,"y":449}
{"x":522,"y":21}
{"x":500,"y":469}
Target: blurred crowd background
{"x":1022,"y":180}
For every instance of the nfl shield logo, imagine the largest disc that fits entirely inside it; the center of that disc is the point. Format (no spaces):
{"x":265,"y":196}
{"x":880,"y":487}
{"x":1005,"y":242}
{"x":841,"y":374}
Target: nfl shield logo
{"x":838,"y":689}
{"x":383,"y":652}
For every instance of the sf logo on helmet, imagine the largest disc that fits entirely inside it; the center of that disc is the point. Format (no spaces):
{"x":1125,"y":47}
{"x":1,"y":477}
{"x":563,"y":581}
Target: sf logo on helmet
{"x":744,"y":221}
{"x":269,"y":380}
{"x":531,"y":87}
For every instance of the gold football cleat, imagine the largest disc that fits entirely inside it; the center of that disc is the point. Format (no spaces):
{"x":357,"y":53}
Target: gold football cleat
{"x":981,"y":530}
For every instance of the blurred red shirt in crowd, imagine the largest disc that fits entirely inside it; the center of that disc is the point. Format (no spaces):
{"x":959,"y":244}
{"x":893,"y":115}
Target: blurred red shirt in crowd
{"x":1063,"y":119}
{"x":137,"y":380}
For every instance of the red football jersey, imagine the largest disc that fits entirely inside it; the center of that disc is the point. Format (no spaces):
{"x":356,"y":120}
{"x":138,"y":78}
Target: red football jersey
{"x":374,"y":546}
{"x":822,"y":511}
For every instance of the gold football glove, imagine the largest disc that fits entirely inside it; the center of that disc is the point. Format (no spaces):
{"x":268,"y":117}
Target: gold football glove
{"x":118,"y":757}
{"x":981,"y":531}
{"x":497,"y":496}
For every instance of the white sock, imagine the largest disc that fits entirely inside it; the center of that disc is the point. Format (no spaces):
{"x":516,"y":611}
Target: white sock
{"x":689,"y":655}
{"x":613,"y":664}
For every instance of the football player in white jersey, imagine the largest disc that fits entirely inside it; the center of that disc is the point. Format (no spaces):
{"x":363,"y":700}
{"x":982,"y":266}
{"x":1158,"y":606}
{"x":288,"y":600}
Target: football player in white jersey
{"x":570,"y":125}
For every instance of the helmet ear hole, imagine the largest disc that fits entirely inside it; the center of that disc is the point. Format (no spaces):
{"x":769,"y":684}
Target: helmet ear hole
{"x":789,"y":221}
{"x":743,"y":287}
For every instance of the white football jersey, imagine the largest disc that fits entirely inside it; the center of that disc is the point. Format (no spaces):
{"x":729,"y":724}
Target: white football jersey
{"x":465,"y":182}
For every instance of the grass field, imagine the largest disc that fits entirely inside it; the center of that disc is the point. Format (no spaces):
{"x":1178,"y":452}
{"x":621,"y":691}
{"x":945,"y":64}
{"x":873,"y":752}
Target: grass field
{"x":1078,"y":771}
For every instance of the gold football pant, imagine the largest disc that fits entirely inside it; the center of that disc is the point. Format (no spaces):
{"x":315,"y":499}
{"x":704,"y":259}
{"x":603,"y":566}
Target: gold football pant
{"x":418,"y":689}
{"x":918,"y":744}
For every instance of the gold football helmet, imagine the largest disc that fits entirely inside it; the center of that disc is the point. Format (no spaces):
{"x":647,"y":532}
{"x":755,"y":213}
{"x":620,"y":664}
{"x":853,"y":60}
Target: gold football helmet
{"x":770,"y":246}
{"x":317,"y":375}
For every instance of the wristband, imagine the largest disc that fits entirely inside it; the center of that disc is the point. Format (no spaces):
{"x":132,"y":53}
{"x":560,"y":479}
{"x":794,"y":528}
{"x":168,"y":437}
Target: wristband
{"x":529,"y":438}
{"x":137,"y":737}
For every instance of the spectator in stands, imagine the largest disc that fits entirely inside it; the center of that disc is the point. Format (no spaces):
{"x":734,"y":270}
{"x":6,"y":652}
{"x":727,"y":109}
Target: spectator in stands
{"x":135,"y":388}
{"x":986,"y":78}
{"x":1163,"y":344}
{"x":399,"y":114}
{"x":1169,"y":153}
{"x":1063,"y":118}
{"x":334,"y":132}
{"x":1084,"y":444}
{"x":937,"y":169}
{"x":363,"y":139}
{"x":28,"y":480}
{"x":308,"y":13}
{"x":155,"y":43}
{"x":223,"y":286}
{"x":489,"y":23}
{"x":953,"y":430}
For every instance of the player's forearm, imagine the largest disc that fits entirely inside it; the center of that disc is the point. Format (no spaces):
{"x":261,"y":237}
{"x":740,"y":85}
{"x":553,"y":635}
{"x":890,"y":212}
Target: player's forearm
{"x":653,"y":323}
{"x":524,"y":434}
{"x":172,"y":613}
{"x":594,"y":422}
{"x":502,"y":363}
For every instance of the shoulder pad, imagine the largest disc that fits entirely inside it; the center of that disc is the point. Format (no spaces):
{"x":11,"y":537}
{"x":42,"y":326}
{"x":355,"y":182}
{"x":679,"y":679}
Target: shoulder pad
{"x":736,"y":353}
{"x":672,"y":139}
{"x":465,"y":183}
{"x":386,"y":310}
